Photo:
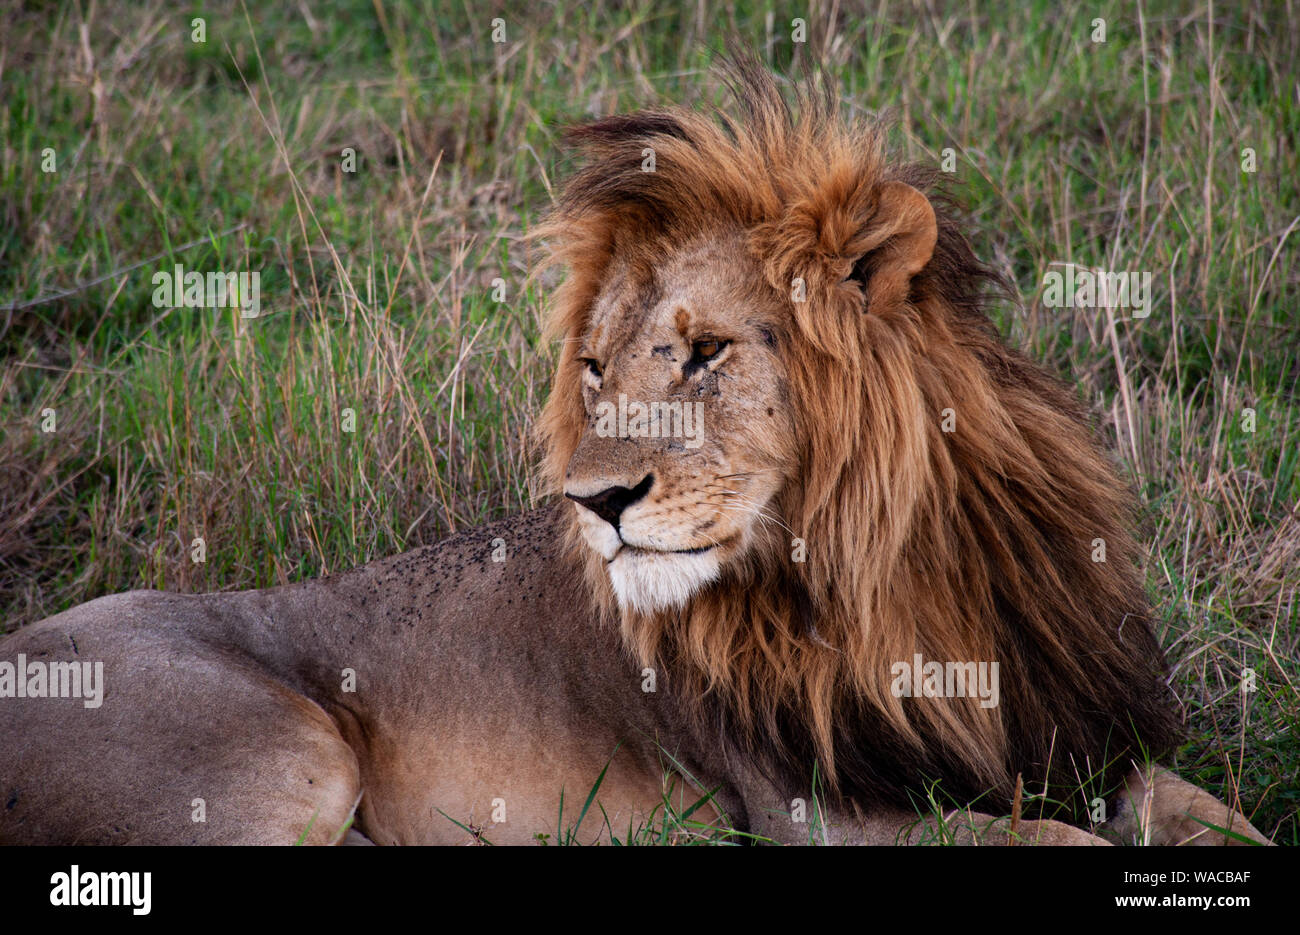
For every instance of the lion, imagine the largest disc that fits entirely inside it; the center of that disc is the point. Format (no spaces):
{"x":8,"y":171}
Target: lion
{"x":794,"y":457}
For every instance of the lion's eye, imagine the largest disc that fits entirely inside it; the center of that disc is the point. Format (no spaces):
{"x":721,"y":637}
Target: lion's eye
{"x":592,"y":367}
{"x":707,"y":349}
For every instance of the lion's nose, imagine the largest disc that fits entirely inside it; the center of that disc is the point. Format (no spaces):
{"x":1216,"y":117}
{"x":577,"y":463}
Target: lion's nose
{"x":610,"y":503}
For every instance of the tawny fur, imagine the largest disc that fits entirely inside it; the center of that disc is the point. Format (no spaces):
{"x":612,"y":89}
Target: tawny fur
{"x":975,"y":544}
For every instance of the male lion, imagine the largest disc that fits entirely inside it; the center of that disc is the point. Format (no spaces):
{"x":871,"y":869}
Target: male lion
{"x":796,"y":457}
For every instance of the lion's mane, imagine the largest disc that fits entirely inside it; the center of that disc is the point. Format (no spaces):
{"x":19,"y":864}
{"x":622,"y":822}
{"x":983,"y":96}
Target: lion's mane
{"x":970,"y":545}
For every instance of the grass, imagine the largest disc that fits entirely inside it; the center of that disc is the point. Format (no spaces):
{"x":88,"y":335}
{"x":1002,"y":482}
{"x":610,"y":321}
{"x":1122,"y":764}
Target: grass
{"x":377,"y":285}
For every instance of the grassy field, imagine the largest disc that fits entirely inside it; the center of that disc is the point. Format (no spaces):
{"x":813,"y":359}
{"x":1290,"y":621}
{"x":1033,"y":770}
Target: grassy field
{"x":128,"y":148}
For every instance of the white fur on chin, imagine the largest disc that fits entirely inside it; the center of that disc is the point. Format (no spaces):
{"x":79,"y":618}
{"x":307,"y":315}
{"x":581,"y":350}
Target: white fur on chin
{"x":651,"y":581}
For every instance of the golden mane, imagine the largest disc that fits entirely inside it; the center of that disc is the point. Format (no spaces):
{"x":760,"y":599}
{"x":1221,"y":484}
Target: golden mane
{"x":969,"y":545}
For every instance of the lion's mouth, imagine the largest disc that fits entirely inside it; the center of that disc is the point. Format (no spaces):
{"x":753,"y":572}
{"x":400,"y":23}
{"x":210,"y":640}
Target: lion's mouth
{"x":698,"y":550}
{"x":648,"y":551}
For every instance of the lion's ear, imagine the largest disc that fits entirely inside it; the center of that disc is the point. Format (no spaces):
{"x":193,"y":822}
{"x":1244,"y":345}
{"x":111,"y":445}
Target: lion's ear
{"x":895,"y":245}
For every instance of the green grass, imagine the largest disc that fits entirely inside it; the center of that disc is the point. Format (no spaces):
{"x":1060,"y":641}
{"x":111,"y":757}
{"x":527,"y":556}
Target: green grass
{"x":376,"y":291}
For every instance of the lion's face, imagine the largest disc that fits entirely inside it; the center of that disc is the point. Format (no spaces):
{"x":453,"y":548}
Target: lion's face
{"x":689,"y":432}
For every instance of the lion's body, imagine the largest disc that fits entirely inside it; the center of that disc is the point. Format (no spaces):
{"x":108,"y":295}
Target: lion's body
{"x":477,"y":682}
{"x":474,"y":682}
{"x":871,"y":477}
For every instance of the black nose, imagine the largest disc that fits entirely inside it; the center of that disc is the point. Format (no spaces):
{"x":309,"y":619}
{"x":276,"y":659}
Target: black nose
{"x":610,"y":503}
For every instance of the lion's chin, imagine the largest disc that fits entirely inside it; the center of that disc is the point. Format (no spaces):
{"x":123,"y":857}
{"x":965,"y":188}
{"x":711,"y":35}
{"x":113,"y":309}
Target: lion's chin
{"x":649,"y":581}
